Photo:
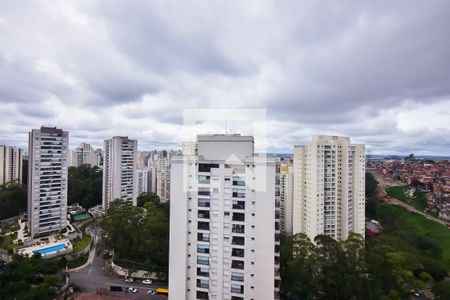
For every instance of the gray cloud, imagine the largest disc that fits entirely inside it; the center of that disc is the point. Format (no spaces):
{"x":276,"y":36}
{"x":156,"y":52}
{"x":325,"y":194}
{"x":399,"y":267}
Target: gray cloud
{"x":376,"y":71}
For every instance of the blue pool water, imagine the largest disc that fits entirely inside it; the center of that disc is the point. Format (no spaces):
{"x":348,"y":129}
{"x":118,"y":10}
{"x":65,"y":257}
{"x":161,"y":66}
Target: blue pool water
{"x":50,"y":249}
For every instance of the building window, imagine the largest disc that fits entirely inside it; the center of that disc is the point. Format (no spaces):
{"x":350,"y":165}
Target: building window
{"x":238,"y":204}
{"x":237,"y":264}
{"x":203,"y":202}
{"x":202,"y":295}
{"x":202,"y":260}
{"x":207,"y":167}
{"x":238,"y":240}
{"x":203,"y":214}
{"x":239,"y":217}
{"x":237,"y":252}
{"x":237,"y":288}
{"x":237,"y":276}
{"x":202,"y":248}
{"x":236,"y":228}
{"x":203,"y":237}
{"x":238,"y":193}
{"x":203,"y":272}
{"x":203,"y":179}
{"x":203,"y":283}
{"x":238,"y":181}
{"x":203,"y":225}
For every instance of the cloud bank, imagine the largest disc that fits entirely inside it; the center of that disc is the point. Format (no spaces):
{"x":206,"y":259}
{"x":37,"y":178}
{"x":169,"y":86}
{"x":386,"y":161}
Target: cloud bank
{"x":377,"y":72}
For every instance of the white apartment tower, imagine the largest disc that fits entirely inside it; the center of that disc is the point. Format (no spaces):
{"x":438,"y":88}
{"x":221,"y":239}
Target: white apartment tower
{"x":286,"y":197}
{"x":329,"y":187}
{"x":10,"y":164}
{"x":223,"y":226}
{"x":144,"y":181}
{"x":47,"y":180}
{"x":83,"y":154}
{"x":120,"y":170}
{"x":163,"y":178}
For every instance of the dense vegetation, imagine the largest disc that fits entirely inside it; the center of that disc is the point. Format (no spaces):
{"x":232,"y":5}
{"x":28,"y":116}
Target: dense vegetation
{"x":412,"y":253}
{"x":417,"y":200}
{"x":30,"y":278}
{"x":139,"y":234}
{"x":326,"y":269}
{"x":13,"y":200}
{"x":371,"y":185}
{"x":85,"y":186}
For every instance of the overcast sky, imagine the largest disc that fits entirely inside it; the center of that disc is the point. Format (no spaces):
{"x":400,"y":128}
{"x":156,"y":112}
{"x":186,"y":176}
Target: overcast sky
{"x":377,"y":71}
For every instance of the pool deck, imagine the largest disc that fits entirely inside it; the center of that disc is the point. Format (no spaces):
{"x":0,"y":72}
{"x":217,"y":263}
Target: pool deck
{"x":29,"y":251}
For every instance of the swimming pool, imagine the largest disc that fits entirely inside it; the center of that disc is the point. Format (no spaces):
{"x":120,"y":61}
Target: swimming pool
{"x":50,"y":249}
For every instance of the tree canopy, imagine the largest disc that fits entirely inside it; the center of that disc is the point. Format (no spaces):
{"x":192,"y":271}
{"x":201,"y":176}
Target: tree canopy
{"x":85,"y":185}
{"x":139,"y":234}
{"x":29,"y":278}
{"x":13,"y":200}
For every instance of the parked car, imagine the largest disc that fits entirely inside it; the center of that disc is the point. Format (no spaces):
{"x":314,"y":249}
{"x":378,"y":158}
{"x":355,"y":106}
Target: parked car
{"x":129,"y":279}
{"x":151,"y":292}
{"x":147,"y":281}
{"x":131,"y":290}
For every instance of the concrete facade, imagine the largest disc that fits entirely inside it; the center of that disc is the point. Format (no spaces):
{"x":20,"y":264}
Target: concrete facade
{"x":47,"y":180}
{"x":11,"y":164}
{"x":120,"y":170}
{"x":329,"y":187}
{"x":223,"y":238}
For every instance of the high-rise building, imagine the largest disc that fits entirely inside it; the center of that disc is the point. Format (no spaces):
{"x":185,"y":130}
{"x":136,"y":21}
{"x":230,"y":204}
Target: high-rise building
{"x":83,"y":154}
{"x":47,"y":180}
{"x":144,"y":181}
{"x":163,"y":178}
{"x":10,"y":164}
{"x":329,"y":188}
{"x":120,"y":170}
{"x":223,"y":229}
{"x":286,"y":197}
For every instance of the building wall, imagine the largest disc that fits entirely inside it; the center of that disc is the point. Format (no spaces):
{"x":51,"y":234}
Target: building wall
{"x":83,"y":154}
{"x":120,"y":170}
{"x":11,"y":163}
{"x":329,"y":187}
{"x":47,"y":180}
{"x":229,"y":221}
{"x":287,"y":198}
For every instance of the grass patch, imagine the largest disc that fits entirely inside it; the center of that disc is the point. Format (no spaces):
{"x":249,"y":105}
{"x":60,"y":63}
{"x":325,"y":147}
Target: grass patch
{"x":410,"y":232}
{"x":79,"y":261}
{"x":78,"y":244}
{"x":418,"y":200}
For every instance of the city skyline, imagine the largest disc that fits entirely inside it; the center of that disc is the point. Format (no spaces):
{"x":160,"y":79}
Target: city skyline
{"x":374,"y":71}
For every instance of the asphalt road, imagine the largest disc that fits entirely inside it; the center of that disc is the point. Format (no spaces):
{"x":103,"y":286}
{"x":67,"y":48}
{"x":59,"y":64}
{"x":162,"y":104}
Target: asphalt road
{"x":93,"y":278}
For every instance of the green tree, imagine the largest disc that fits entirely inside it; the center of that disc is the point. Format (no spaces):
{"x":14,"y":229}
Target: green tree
{"x":147,"y":197}
{"x":13,"y":200}
{"x":139,"y":234}
{"x":371,"y":185}
{"x":442,"y":289}
{"x":85,"y":185}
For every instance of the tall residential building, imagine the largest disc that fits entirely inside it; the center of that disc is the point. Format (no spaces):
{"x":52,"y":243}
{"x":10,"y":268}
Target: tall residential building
{"x":144,"y":181}
{"x":286,"y":197}
{"x":47,"y":180}
{"x":83,"y":154}
{"x":329,"y":187}
{"x":10,"y":164}
{"x":163,"y":178}
{"x":223,"y":236}
{"x":120,"y":170}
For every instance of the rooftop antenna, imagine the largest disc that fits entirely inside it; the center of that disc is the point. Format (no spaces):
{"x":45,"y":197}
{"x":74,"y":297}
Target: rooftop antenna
{"x":226,"y":126}
{"x":331,"y":131}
